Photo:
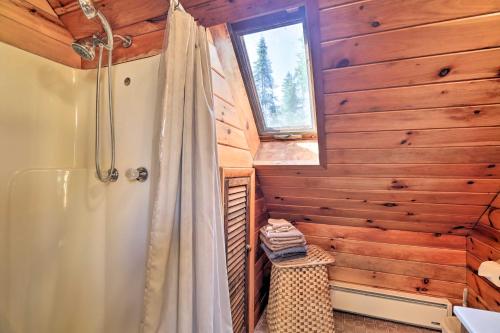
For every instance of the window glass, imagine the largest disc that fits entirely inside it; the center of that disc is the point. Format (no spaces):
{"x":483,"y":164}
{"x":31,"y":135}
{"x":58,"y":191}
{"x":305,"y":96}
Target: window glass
{"x":275,"y":66}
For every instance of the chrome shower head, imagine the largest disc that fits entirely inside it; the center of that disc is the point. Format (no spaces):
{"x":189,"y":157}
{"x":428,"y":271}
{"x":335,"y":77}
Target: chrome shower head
{"x":91,"y":12}
{"x":88,"y":8}
{"x":85,"y":49}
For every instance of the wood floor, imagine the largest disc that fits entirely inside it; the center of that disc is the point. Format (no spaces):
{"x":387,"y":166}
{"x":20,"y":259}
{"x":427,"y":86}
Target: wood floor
{"x":350,"y":323}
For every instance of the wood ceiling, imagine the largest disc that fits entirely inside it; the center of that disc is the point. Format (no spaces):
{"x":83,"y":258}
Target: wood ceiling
{"x":47,"y":27}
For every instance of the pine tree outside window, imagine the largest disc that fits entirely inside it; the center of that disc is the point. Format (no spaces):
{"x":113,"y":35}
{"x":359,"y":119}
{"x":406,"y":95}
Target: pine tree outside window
{"x":273,"y":55}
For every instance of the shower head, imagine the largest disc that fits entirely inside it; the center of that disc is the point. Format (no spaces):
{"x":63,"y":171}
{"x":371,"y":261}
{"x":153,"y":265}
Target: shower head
{"x":85,"y":49}
{"x":88,"y":8}
{"x":91,"y":12}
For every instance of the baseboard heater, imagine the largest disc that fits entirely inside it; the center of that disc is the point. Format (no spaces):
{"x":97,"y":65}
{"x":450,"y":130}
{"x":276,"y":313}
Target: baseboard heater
{"x":396,"y":306}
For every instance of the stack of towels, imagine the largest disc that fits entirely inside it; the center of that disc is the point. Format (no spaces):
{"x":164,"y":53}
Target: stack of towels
{"x":280,"y":239}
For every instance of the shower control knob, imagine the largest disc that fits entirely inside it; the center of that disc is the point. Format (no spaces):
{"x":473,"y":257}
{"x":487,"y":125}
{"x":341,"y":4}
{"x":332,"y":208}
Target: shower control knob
{"x":140,"y":174}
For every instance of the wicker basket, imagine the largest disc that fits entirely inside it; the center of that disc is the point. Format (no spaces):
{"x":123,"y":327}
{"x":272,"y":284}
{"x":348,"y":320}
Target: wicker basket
{"x":299,"y":299}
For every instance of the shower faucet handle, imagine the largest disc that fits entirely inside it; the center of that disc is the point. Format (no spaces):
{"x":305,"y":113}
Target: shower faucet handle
{"x":140,"y":174}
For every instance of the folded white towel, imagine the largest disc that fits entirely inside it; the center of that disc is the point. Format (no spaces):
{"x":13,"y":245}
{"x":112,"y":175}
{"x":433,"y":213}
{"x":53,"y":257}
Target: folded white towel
{"x":279,"y":224}
{"x":278,"y":229}
{"x":291,"y":234}
{"x":491,"y":271}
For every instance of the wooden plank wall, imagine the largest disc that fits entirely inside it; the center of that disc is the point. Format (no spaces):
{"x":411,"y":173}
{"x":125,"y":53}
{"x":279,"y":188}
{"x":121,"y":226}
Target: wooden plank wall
{"x":422,"y":263}
{"x":412,"y":115}
{"x":229,"y":63}
{"x":33,"y":26}
{"x":233,"y":149}
{"x":483,"y":245}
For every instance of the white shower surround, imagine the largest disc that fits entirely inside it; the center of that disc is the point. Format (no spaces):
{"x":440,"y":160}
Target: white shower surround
{"x":72,"y":255}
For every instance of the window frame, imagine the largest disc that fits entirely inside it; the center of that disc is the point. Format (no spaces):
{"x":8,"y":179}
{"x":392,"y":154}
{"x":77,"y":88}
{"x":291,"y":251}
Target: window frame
{"x":267,"y":22}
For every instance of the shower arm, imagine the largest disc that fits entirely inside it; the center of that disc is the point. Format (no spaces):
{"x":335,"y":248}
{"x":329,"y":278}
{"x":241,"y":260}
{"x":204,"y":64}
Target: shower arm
{"x":103,"y":41}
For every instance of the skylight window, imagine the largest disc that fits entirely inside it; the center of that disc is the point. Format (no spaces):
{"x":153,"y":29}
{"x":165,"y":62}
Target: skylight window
{"x":274,"y":59}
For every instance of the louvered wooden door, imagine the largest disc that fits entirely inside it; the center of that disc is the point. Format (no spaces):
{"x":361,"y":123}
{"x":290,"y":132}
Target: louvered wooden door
{"x":236,"y":218}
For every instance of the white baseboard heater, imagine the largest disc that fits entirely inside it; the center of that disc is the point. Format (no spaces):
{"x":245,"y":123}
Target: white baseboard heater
{"x":385,"y":304}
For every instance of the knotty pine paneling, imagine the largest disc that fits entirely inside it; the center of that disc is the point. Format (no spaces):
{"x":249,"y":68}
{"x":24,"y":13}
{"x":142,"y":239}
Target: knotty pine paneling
{"x":461,"y":198}
{"x":412,"y":284}
{"x":220,"y":11}
{"x":229,"y":63}
{"x":481,"y":247}
{"x":230,"y":136}
{"x":382,"y":206}
{"x":491,"y":216}
{"x":469,"y":65}
{"x":420,"y":254}
{"x":438,"y":118}
{"x":374,"y":215}
{"x":33,"y":16}
{"x":427,"y":138}
{"x":451,"y":94}
{"x":365,"y":17}
{"x":401,"y":267}
{"x":412,"y":107}
{"x":471,"y":33}
{"x":127,"y":12}
{"x":407,"y":261}
{"x":383,"y":236}
{"x":233,"y":147}
{"x":226,"y":112}
{"x":395,"y":184}
{"x":444,"y":155}
{"x":439,"y":228}
{"x":452,"y":170}
{"x":34,"y":29}
{"x":118,"y":13}
{"x":145,"y":20}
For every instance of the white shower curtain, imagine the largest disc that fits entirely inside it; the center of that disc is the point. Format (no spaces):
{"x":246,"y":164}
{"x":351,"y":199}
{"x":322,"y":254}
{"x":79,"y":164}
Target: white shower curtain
{"x":186,"y":283}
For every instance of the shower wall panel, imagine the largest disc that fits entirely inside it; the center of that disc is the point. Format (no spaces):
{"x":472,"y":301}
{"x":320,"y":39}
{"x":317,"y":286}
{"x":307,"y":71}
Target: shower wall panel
{"x":72,"y":250}
{"x":44,"y":142}
{"x":127,"y":202}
